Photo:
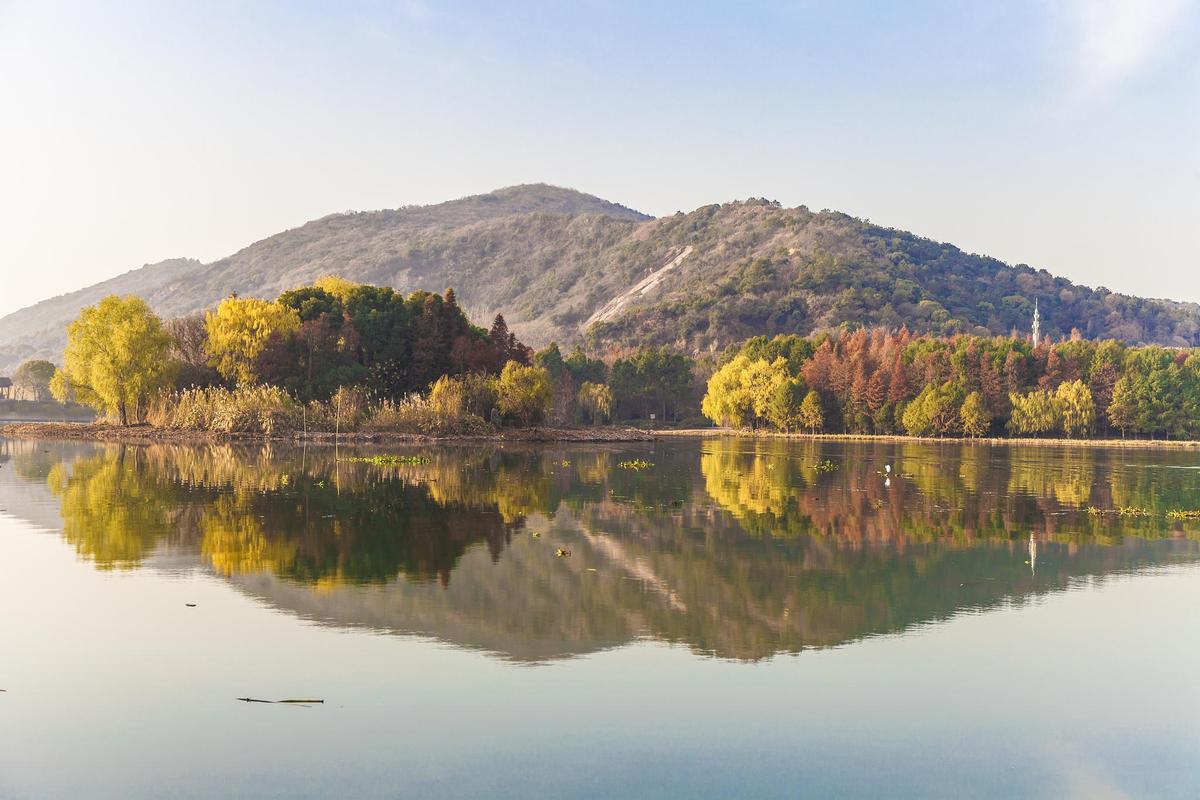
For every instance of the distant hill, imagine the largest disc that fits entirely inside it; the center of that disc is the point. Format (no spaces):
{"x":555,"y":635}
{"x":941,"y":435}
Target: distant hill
{"x":568,"y":266}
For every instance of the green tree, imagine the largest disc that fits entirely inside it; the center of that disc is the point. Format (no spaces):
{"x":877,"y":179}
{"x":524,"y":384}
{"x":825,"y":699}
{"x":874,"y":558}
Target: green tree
{"x":1075,"y":408}
{"x":974,"y":415}
{"x":524,"y":394}
{"x":783,"y":411}
{"x":935,"y":410}
{"x":32,"y":379}
{"x":117,"y":357}
{"x":1122,"y":410}
{"x":810,"y":414}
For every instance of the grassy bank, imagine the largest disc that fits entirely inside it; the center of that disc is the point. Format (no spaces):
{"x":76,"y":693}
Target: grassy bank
{"x":1176,"y":444}
{"x":141,"y":434}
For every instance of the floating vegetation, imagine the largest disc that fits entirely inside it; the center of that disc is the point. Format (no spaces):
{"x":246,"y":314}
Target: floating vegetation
{"x":565,"y":463}
{"x":1184,"y":513}
{"x":825,"y":466}
{"x":1133,"y":511}
{"x":635,"y":464}
{"x":562,"y":552}
{"x":1095,"y":512}
{"x":388,"y":460}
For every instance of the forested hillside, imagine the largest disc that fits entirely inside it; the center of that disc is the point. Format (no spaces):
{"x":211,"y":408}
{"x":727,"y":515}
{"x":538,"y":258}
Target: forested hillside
{"x":562,"y":265}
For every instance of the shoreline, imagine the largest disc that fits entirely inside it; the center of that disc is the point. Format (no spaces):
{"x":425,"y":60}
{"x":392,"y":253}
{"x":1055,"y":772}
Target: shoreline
{"x":1143,"y":444}
{"x":149,"y":434}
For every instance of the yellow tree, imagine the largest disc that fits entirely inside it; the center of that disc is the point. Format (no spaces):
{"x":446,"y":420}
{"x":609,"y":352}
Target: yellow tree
{"x":726,"y":402}
{"x":338,"y":287}
{"x":763,"y":381}
{"x":974,"y":415}
{"x":1076,"y":408}
{"x":524,"y":394}
{"x":238,"y":331}
{"x":117,"y":357}
{"x":810,"y":414}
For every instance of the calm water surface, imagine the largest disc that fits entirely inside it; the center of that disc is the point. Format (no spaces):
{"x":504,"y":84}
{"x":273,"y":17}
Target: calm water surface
{"x":729,"y":622}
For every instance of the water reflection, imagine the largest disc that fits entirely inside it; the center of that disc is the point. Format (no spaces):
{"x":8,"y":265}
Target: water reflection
{"x":738,"y":548}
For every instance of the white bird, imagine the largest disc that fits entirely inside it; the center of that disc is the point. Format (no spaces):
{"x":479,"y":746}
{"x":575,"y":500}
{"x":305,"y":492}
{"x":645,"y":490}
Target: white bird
{"x":887,"y":468}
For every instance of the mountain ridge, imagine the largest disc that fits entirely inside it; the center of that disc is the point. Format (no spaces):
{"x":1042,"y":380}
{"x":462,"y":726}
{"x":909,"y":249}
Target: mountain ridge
{"x":554,"y":259}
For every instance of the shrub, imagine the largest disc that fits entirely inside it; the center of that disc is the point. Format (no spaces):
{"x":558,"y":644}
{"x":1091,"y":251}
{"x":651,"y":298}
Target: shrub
{"x":417,"y":414}
{"x":453,"y":397}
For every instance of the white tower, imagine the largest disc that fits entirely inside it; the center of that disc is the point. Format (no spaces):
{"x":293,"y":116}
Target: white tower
{"x":1037,"y":324}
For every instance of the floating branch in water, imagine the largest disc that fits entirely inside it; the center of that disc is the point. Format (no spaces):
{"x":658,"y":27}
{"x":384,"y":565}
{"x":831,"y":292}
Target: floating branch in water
{"x":635,"y":464}
{"x":562,"y":552}
{"x":1184,"y":513}
{"x":825,"y":466}
{"x":286,"y":702}
{"x":388,"y":460}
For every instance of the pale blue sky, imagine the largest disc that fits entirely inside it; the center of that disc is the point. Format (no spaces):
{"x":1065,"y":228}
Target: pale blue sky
{"x":1061,"y":134}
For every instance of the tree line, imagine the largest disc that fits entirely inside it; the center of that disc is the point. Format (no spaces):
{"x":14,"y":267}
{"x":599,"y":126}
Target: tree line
{"x":881,"y":382}
{"x":414,"y":362}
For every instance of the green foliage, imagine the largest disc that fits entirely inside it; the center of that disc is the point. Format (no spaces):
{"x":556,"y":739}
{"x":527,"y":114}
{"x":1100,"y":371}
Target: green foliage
{"x":116,"y":358}
{"x":973,"y":415}
{"x":651,"y":381}
{"x":935,"y":411}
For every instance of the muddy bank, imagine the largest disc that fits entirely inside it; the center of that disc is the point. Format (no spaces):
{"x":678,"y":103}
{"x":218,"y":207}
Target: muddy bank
{"x":147,"y":434}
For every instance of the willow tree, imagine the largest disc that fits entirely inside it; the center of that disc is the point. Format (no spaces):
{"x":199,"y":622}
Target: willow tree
{"x":1076,"y":408}
{"x":596,"y":400}
{"x":238,"y":332}
{"x":117,"y":357}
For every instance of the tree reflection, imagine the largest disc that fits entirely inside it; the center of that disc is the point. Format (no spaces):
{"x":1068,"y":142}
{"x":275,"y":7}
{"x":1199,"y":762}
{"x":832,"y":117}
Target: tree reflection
{"x":735,"y":547}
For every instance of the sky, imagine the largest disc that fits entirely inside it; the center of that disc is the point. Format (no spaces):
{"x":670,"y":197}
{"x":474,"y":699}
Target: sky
{"x":1064,"y":134}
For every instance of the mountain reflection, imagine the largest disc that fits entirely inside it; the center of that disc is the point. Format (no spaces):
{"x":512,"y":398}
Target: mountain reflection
{"x":734,"y":547}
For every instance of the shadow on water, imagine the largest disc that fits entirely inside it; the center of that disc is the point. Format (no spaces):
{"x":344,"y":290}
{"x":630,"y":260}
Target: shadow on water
{"x":737,"y":548}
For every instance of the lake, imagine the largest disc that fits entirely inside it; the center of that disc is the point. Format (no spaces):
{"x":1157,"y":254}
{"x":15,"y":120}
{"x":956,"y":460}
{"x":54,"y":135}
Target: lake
{"x":727,"y":619}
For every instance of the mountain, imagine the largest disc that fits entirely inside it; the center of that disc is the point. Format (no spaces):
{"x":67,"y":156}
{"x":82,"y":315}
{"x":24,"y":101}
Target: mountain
{"x":569,"y":266}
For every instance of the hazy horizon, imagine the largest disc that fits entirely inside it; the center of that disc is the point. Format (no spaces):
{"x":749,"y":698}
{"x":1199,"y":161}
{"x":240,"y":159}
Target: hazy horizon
{"x":1063,"y":136}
